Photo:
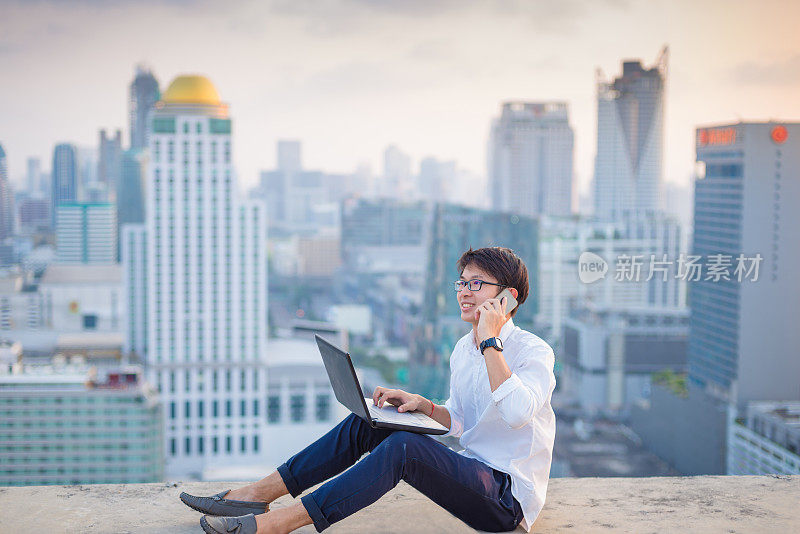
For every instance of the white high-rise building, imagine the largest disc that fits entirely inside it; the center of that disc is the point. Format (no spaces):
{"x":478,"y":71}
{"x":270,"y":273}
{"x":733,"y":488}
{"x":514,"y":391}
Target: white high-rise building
{"x":530,"y":159}
{"x":199,"y":312}
{"x":630,"y":140}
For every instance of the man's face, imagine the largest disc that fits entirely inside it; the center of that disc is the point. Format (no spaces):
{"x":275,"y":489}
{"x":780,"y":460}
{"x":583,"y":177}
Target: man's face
{"x":469,"y":300}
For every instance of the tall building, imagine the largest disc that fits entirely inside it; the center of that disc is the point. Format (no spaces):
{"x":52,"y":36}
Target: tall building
{"x":397,"y":180}
{"x":289,"y":156}
{"x":300,"y":201}
{"x":530,"y":159}
{"x":86,"y":232}
{"x":64,"y":177}
{"x":65,"y":424}
{"x":144,"y":94}
{"x":36,"y":181}
{"x":110,"y":162}
{"x":747,"y":203}
{"x":204,"y":294}
{"x":6,"y":199}
{"x":744,"y":299}
{"x":130,"y":194}
{"x":630,"y":139}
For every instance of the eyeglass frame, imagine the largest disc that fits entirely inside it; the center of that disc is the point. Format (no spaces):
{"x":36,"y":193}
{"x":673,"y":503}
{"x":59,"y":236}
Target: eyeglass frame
{"x":465,"y":283}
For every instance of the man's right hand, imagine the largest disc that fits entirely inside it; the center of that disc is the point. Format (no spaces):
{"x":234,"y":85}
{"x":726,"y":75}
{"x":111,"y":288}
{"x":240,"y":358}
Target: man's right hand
{"x":405,"y":402}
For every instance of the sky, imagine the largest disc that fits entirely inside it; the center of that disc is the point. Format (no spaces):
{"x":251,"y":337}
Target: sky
{"x":349,"y":77}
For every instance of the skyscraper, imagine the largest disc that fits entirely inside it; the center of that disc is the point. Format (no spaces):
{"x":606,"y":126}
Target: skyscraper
{"x":630,"y":139}
{"x":65,"y":176}
{"x":109,"y":162}
{"x":144,"y":93}
{"x":743,"y":336}
{"x":530,"y":159}
{"x":130,"y":193}
{"x":6,"y":199}
{"x":744,"y":295}
{"x":200,"y":311}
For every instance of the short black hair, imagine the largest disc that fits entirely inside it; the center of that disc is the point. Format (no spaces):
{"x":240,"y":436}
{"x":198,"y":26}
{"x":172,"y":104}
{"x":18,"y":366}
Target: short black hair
{"x":503,"y":264}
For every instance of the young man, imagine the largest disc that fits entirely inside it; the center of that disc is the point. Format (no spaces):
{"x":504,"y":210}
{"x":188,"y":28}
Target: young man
{"x":501,"y":382}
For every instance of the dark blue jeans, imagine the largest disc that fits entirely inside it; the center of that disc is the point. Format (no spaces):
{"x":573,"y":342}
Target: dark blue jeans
{"x":467,"y":488}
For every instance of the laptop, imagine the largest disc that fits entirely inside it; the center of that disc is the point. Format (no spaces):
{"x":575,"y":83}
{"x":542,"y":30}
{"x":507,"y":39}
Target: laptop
{"x":348,"y":392}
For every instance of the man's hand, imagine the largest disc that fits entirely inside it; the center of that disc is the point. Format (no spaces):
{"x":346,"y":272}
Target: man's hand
{"x":405,"y":402}
{"x":491,"y":318}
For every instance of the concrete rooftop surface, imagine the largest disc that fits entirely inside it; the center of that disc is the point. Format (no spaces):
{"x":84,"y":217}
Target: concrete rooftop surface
{"x":727,"y":504}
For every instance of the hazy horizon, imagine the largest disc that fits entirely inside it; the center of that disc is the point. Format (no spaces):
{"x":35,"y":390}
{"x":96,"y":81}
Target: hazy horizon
{"x":350,"y":77}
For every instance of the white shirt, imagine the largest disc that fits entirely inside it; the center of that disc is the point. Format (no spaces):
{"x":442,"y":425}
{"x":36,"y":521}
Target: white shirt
{"x":512,"y":428}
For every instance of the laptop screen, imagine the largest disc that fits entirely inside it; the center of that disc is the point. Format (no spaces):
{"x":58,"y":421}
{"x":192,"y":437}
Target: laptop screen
{"x":343,"y":378}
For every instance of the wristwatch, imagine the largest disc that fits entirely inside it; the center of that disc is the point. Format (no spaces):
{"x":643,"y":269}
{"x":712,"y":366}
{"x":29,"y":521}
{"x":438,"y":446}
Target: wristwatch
{"x":494,"y":342}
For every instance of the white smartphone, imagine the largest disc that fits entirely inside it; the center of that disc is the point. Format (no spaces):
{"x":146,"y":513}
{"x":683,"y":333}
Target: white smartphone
{"x":511,"y":302}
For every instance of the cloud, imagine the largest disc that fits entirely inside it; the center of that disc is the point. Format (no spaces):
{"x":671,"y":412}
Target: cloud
{"x":783,"y":72}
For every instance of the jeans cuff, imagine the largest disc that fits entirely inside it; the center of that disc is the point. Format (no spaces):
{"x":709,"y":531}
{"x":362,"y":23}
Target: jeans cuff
{"x":314,"y":511}
{"x":289,"y":481}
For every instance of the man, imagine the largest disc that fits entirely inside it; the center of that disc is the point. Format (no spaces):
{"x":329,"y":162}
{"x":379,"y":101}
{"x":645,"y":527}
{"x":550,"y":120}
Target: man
{"x":501,"y":383}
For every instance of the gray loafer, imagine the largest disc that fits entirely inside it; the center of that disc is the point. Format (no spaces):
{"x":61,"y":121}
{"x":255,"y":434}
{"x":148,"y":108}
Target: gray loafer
{"x":217,"y":505}
{"x":245,"y":524}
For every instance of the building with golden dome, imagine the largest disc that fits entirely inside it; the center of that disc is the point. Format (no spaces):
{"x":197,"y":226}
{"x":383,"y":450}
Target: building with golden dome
{"x":196,"y":274}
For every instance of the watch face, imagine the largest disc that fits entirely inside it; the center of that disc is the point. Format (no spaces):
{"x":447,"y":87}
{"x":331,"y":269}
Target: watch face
{"x":499,"y":343}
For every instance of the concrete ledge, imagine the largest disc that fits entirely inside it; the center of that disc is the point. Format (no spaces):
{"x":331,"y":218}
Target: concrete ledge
{"x":641,"y":505}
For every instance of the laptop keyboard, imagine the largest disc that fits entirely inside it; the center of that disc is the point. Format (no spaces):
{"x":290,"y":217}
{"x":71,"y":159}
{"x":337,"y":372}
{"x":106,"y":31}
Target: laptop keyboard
{"x":390,"y":415}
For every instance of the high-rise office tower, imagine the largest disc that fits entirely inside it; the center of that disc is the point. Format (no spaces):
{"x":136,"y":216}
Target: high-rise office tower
{"x":144,"y":94}
{"x":199,"y":314}
{"x":130,"y":193}
{"x":397,"y":180}
{"x":86,"y":232}
{"x":630,"y":139}
{"x":110,"y":162}
{"x":743,"y":334}
{"x":289,"y":156}
{"x":64,"y":177}
{"x":36,"y":182}
{"x":744,"y":295}
{"x":530,"y":159}
{"x":6,"y":199}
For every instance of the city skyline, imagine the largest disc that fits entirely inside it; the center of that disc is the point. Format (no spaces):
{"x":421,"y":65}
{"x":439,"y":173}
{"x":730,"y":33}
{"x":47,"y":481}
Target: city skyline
{"x":391,"y":73}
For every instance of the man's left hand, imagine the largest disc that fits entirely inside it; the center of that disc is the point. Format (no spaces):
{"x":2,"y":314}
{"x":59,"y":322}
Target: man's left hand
{"x":491,"y":318}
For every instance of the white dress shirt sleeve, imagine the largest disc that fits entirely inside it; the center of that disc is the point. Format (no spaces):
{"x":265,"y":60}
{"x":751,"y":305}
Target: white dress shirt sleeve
{"x":525,"y":391}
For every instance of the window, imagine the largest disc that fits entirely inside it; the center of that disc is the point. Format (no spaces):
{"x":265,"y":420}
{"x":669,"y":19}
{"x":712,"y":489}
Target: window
{"x":243,"y":408}
{"x":273,"y":408}
{"x":172,"y":410}
{"x":90,"y":322}
{"x":188,"y":445}
{"x":215,"y":409}
{"x":215,"y":444}
{"x":200,"y":444}
{"x":323,"y":407}
{"x":187,"y":411}
{"x":200,"y":409}
{"x":243,"y":444}
{"x":228,"y":444}
{"x":255,"y":443}
{"x":172,"y":447}
{"x":255,"y":408}
{"x":297,"y":405}
{"x":228,"y":409}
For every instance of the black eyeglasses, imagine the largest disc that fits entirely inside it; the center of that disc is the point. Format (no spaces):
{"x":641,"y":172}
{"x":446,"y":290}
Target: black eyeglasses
{"x":473,"y":285}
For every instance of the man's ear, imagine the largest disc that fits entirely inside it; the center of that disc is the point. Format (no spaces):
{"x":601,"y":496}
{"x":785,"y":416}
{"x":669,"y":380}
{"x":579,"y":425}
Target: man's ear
{"x":513,"y":292}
